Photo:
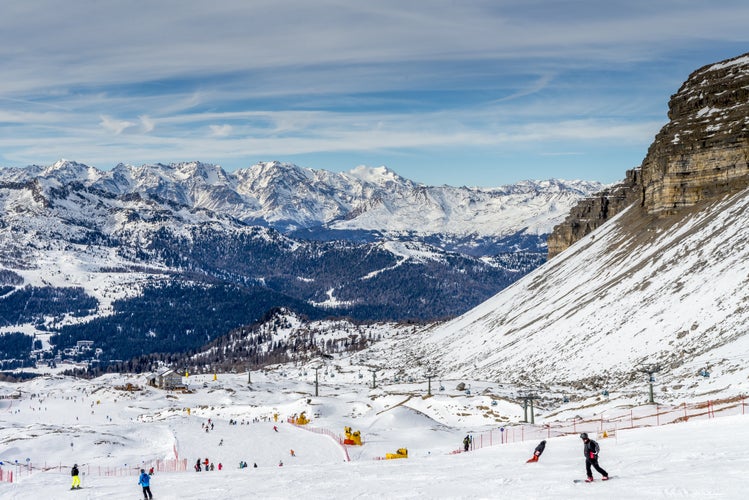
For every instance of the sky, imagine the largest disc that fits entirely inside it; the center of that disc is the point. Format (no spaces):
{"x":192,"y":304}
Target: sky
{"x":478,"y":93}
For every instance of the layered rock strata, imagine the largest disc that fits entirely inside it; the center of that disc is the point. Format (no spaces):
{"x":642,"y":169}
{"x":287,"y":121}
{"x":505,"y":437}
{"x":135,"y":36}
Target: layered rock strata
{"x":702,"y":153}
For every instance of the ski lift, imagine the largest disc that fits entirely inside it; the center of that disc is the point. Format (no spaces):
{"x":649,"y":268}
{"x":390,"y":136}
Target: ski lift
{"x":565,"y":399}
{"x":442,"y":387}
{"x":704,"y":373}
{"x":605,"y":393}
{"x":468,"y":392}
{"x":494,"y":402}
{"x":360,"y":375}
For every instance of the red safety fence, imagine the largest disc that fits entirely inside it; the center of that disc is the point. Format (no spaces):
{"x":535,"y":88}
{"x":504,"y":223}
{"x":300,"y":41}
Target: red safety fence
{"x":6,"y":476}
{"x":167,"y":465}
{"x":609,"y":421}
{"x":325,"y":432}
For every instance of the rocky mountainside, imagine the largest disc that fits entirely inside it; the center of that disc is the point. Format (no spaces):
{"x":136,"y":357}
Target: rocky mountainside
{"x":658,"y":285}
{"x":702,"y":153}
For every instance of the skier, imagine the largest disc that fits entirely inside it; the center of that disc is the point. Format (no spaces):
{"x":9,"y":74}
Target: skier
{"x":275,"y":428}
{"x":76,"y":480}
{"x":590,"y":450}
{"x":220,"y":466}
{"x":537,"y":452}
{"x":145,"y":482}
{"x":198,"y":467}
{"x":466,"y":442}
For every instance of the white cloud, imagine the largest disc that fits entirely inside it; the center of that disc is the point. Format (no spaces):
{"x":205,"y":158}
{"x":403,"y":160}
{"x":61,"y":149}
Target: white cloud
{"x":146,"y":123}
{"x":220,"y":130}
{"x":113,"y":125}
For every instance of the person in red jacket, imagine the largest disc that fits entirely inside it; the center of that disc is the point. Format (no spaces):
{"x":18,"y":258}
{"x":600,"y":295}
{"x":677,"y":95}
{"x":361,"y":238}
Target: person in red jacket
{"x":590,"y":450}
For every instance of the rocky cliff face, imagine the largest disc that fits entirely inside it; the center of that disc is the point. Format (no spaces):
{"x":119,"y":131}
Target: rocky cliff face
{"x":591,"y":212}
{"x":702,"y":153}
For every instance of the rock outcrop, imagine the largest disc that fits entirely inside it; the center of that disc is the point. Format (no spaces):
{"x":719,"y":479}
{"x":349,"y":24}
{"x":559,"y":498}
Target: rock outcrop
{"x":702,"y":153}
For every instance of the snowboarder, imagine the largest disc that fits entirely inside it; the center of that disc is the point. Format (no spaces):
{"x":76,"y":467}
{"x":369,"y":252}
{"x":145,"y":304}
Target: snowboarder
{"x":466,"y":442}
{"x":212,"y":467}
{"x":145,"y":482}
{"x":76,"y":480}
{"x":590,"y":450}
{"x":537,"y":452}
{"x":220,"y":466}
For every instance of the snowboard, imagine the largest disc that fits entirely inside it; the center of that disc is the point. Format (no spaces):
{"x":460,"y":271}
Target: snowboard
{"x":596,"y":481}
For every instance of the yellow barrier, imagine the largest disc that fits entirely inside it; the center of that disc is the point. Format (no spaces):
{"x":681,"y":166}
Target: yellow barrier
{"x":401,"y":453}
{"x":352,"y":438}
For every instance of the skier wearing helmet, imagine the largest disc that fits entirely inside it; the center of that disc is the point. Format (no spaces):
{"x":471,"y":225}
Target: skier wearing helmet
{"x":590,"y":450}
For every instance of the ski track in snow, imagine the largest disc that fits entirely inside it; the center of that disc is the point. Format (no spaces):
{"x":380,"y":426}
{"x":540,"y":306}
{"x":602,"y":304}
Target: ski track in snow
{"x":122,"y":430}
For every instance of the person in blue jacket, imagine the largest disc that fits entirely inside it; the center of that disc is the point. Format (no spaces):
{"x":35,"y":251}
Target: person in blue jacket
{"x":145,"y":482}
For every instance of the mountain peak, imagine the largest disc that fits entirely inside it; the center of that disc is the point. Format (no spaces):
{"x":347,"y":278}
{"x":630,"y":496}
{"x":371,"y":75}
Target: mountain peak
{"x":67,"y":171}
{"x":380,"y":176}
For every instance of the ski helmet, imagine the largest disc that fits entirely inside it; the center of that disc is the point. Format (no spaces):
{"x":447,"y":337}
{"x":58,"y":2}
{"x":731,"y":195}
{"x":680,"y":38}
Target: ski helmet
{"x":584,"y":435}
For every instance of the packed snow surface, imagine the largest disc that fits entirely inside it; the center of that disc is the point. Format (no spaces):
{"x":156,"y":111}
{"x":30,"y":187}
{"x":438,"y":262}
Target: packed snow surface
{"x":111,"y":433}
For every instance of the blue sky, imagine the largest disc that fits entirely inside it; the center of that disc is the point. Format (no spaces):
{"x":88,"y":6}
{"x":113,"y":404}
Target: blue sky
{"x":477,"y":93}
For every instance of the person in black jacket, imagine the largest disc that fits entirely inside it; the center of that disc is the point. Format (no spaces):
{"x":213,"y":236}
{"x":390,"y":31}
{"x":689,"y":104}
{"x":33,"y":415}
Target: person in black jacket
{"x":76,"y":480}
{"x":590,"y":450}
{"x":537,"y":452}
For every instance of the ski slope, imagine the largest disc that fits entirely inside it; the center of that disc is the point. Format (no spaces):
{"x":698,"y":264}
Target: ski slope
{"x":60,"y":421}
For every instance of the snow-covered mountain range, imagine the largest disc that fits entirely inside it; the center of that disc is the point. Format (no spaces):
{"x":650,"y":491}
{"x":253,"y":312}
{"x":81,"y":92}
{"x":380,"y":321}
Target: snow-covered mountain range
{"x":315,"y":241}
{"x":291,"y":198}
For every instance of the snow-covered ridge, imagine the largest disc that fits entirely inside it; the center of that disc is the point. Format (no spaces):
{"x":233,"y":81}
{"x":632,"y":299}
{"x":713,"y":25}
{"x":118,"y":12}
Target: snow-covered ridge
{"x":288,"y":197}
{"x":639,"y":291}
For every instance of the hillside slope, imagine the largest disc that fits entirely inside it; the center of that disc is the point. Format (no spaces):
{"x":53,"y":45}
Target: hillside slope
{"x":641,"y":291}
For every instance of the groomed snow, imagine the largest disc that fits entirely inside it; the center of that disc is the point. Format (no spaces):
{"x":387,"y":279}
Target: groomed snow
{"x":119,"y":431}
